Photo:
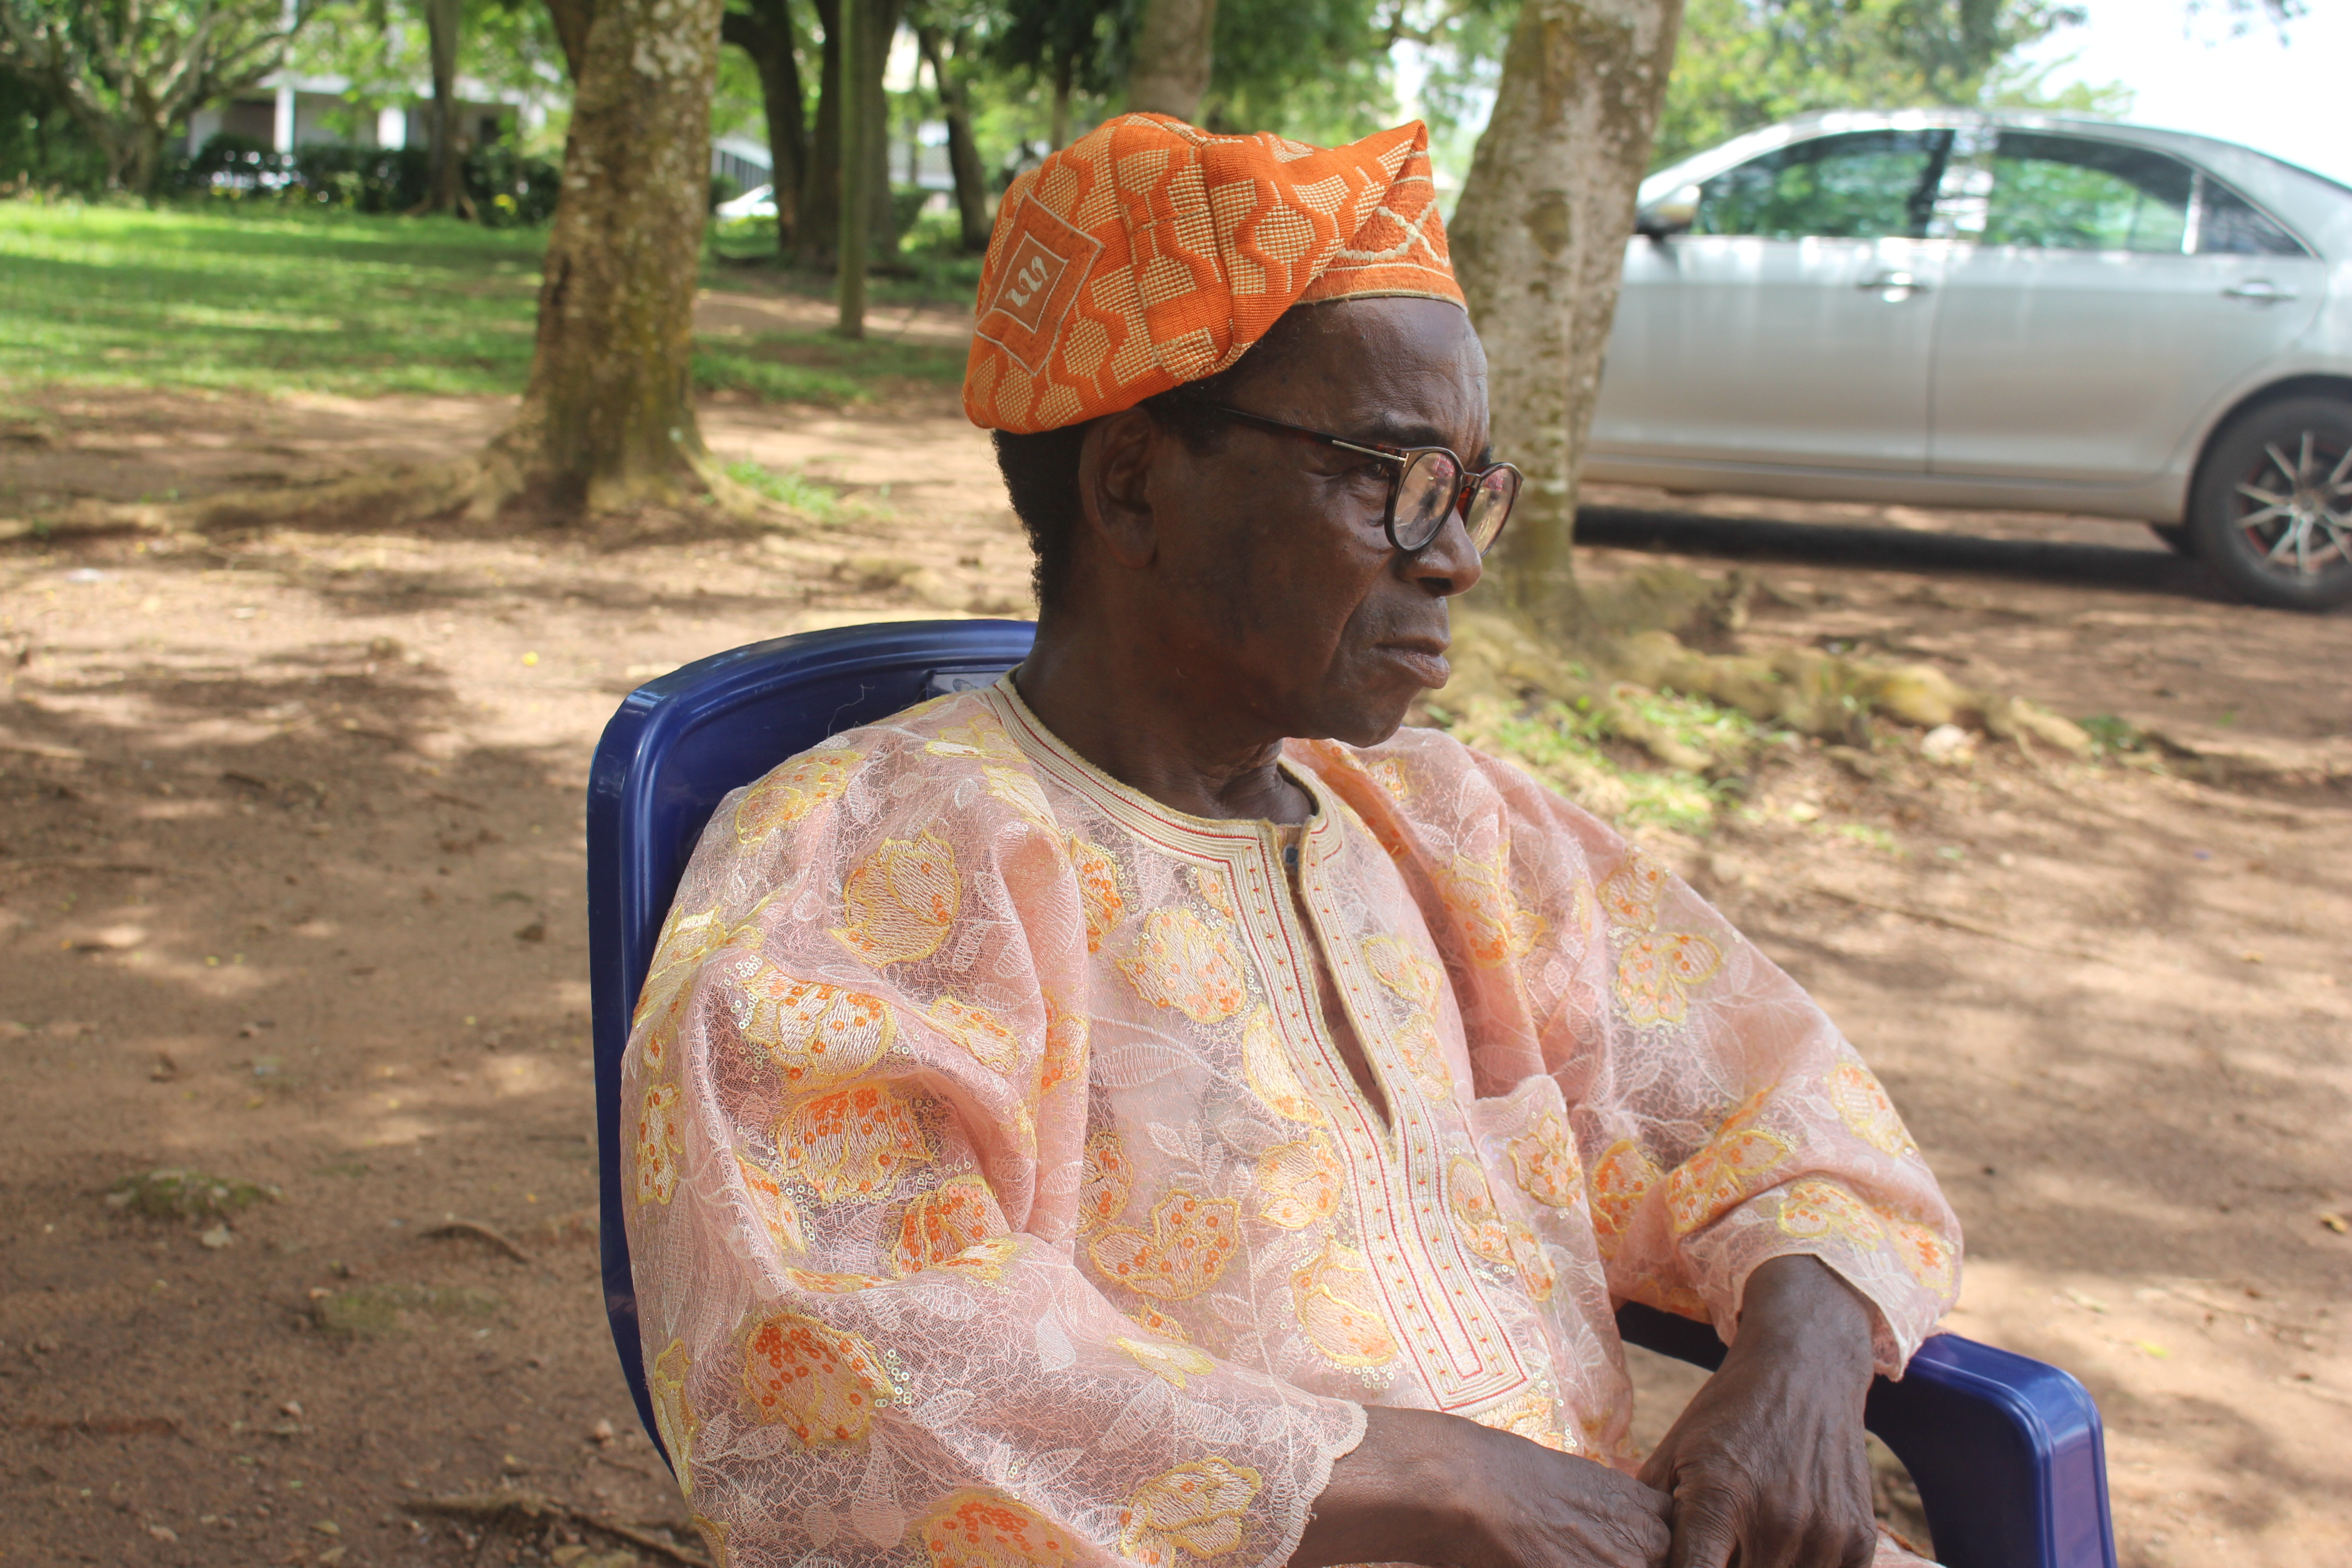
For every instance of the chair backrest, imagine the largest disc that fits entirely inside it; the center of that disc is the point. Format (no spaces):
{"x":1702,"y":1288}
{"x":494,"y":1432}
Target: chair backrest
{"x":677,"y":747}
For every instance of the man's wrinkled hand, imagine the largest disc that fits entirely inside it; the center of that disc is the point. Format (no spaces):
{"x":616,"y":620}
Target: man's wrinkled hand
{"x":1767,"y":1464}
{"x":1434,"y":1489}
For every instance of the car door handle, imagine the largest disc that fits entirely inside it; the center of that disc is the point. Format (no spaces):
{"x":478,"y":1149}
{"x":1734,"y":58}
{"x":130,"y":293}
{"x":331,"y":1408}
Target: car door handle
{"x":2262,"y":291}
{"x":1886,"y":282}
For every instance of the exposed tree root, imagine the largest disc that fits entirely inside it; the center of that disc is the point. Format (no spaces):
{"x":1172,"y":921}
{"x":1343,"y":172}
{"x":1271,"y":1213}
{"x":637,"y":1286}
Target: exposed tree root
{"x":1631,"y":651}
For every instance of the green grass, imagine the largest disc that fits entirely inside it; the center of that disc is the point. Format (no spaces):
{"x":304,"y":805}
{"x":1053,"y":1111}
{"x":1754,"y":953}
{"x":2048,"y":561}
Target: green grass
{"x":1564,"y":746}
{"x":284,"y":299}
{"x":813,"y":498}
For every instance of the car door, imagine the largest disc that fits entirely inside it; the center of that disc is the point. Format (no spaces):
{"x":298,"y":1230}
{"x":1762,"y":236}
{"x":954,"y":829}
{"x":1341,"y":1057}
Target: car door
{"x":2111,"y":294}
{"x":1792,"y":324}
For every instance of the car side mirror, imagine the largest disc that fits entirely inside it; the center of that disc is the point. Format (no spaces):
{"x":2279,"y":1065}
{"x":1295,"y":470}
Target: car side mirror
{"x":1670,"y":215}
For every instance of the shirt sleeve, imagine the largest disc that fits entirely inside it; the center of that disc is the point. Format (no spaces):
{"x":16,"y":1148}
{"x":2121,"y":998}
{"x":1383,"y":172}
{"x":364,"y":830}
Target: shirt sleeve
{"x":858,"y":1085}
{"x":1719,"y":1115}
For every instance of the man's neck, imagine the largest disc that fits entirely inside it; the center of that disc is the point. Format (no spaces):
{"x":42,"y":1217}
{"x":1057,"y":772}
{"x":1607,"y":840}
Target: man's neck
{"x":1134,"y":713}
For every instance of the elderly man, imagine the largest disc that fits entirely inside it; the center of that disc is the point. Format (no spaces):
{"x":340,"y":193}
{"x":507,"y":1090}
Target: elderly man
{"x":1156,"y":1109}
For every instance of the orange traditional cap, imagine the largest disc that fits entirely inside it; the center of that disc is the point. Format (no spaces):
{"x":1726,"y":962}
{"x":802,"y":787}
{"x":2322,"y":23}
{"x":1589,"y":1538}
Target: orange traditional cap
{"x":1149,"y":253}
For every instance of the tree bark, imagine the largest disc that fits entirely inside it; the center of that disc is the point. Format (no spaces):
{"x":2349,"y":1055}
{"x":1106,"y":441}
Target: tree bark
{"x":765,"y":33}
{"x":820,"y":214}
{"x":963,"y":149}
{"x":607,"y":419}
{"x":1538,"y":240}
{"x":446,"y":188}
{"x":857,"y":168}
{"x":1174,"y":50}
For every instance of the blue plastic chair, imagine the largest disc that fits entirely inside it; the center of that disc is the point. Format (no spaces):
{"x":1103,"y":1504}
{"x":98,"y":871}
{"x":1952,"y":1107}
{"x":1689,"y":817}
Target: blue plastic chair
{"x":2007,"y":1452}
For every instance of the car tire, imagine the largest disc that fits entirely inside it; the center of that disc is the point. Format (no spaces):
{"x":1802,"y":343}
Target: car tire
{"x":2175,"y":536}
{"x":2271,"y":510}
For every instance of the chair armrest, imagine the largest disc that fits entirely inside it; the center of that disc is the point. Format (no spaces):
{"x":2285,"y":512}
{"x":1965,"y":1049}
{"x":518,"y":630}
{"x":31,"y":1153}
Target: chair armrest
{"x":2007,"y":1451}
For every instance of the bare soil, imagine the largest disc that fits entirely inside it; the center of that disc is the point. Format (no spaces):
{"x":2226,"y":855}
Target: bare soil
{"x":291,"y":892}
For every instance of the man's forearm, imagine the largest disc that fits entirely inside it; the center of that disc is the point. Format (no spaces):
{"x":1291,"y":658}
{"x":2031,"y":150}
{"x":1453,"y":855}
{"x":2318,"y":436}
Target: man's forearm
{"x":1798,"y":1305}
{"x":1389,"y":1499}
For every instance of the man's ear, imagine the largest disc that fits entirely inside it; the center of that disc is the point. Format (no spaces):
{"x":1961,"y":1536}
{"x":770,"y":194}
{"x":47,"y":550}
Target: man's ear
{"x":1114,"y":485}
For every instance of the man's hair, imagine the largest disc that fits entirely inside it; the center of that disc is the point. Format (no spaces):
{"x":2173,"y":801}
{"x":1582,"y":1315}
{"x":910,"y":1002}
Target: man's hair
{"x":1041,"y":472}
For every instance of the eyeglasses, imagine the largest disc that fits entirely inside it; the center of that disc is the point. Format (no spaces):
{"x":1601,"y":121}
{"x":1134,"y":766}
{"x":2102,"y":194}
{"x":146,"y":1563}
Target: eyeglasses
{"x":1425,"y":484}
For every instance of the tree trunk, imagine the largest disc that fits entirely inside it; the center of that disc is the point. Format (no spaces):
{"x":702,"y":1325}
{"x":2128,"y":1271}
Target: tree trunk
{"x":856,"y":205}
{"x":963,"y":151}
{"x":445,"y":189}
{"x":765,"y":33}
{"x":1174,"y":50}
{"x":1059,"y":134}
{"x":820,"y":217}
{"x":607,"y":419}
{"x":1539,"y":242}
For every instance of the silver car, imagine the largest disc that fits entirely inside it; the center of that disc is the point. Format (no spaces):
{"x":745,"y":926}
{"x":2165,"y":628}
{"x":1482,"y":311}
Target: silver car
{"x":2032,"y":311}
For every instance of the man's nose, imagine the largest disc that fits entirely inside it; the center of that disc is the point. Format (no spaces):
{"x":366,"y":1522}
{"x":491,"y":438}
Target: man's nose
{"x":1448,"y":564}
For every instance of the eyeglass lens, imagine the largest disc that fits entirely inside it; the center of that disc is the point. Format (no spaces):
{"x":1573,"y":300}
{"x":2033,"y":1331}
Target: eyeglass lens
{"x":1428,"y":490}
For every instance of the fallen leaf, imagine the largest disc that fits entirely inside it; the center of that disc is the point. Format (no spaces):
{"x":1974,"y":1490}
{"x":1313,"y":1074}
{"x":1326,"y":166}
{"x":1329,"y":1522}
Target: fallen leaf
{"x":535,"y":931}
{"x":2158,"y":1350}
{"x":2091,"y":1303}
{"x":2336,"y":1222}
{"x":220,"y":1236}
{"x":162,"y":1532}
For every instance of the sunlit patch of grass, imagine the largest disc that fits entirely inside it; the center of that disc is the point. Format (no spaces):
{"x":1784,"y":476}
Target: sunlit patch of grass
{"x":813,"y":498}
{"x":1564,"y":746}
{"x":818,"y":367}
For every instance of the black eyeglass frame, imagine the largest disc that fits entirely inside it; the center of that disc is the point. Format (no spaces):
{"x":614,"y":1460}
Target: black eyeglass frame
{"x":1465,"y":485}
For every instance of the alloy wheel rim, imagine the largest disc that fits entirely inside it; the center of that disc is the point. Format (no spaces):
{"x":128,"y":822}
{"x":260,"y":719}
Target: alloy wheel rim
{"x":2294,"y":508}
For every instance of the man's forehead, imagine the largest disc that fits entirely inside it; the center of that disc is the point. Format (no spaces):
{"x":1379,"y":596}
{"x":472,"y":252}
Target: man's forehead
{"x":1397,"y":369}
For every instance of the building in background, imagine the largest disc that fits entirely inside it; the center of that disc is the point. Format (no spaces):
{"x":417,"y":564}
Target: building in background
{"x":289,"y":110}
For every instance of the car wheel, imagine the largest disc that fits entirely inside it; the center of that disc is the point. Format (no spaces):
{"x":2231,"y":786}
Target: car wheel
{"x":2273,"y":508}
{"x":2175,"y":536}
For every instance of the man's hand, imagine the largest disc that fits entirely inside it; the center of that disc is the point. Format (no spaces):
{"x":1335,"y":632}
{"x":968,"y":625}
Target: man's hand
{"x":1767,"y":1461}
{"x":1434,"y":1489}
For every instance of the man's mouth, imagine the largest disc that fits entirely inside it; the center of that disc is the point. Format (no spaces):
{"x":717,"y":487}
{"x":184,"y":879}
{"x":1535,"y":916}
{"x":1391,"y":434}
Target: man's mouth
{"x":1424,"y":657}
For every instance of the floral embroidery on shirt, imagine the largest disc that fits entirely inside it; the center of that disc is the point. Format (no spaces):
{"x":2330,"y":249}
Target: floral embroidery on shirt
{"x":1185,"y":963}
{"x":1298,"y":1183}
{"x":1216,"y":891}
{"x":1546,"y":1164}
{"x":673,"y":1417}
{"x":987,"y":1037}
{"x":983,"y":737}
{"x":1174,"y":1364}
{"x":941,"y":1223}
{"x":817,"y":1284}
{"x":1271,"y":1078}
{"x":853,"y":1143}
{"x":1740,"y":1161}
{"x":779,"y":1215}
{"x":1021,"y":792}
{"x":1193,"y":1239}
{"x":1152,"y":1320}
{"x":900,"y":901}
{"x":1481,"y":899}
{"x":1419,"y":980}
{"x":1099,"y":892}
{"x":1656,"y":973}
{"x":972,"y":1527}
{"x":1633,"y":892}
{"x":1339,"y":1307}
{"x":1532,"y":1416}
{"x":1390,"y":775}
{"x":1925,"y":1253}
{"x":820,"y":1384}
{"x":1863,"y":1105}
{"x":1534,"y":1262}
{"x":1476,"y":1216}
{"x":984,"y":1260}
{"x":1620,"y":1178}
{"x":1105,"y":1179}
{"x":686,"y":941}
{"x":660,"y":1140}
{"x":816,"y":1034}
{"x":714,"y":1538}
{"x":1197,"y":1507}
{"x":791,"y":793}
{"x":1065,"y":1045}
{"x":1814,"y":1209}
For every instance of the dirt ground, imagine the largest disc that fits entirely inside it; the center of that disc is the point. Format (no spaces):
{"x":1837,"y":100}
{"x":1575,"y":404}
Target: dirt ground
{"x":290,"y":893}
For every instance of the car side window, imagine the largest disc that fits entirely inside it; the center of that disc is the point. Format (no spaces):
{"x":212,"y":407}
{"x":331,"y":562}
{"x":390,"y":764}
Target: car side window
{"x":2066,"y":193}
{"x":1865,"y":184}
{"x":2229,"y":225}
